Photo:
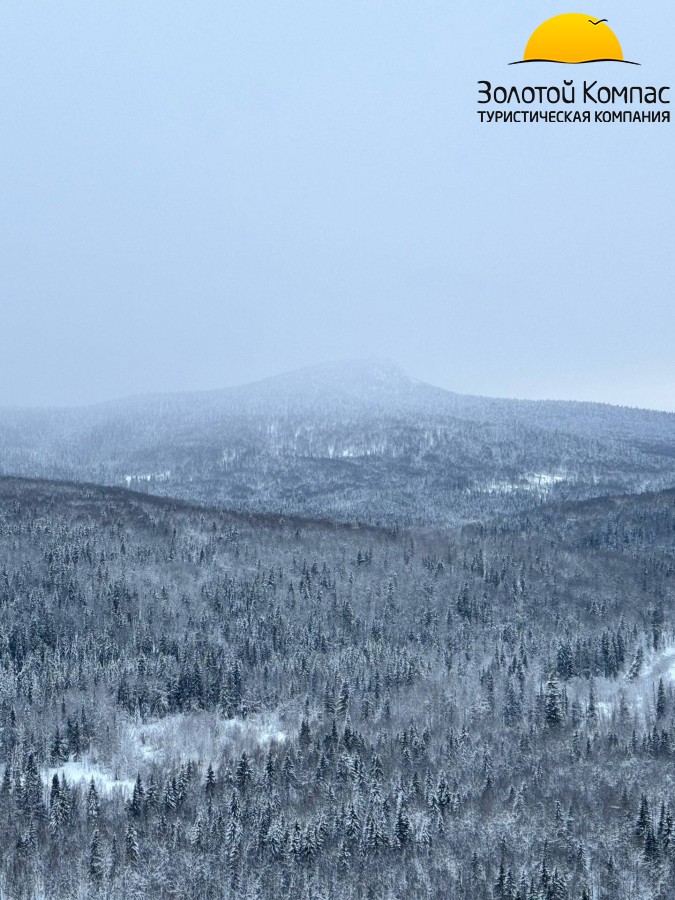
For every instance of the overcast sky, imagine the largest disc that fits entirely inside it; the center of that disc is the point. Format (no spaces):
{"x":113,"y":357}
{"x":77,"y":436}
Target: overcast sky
{"x":199,"y":194}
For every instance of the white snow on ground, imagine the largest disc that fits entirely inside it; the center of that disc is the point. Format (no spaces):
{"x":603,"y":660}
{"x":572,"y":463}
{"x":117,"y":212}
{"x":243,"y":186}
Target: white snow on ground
{"x":639,"y":693}
{"x":83,"y":771}
{"x":199,"y":736}
{"x":544,"y":479}
{"x":603,"y":709}
{"x":536,"y":482}
{"x":152,"y":476}
{"x":659,"y":665}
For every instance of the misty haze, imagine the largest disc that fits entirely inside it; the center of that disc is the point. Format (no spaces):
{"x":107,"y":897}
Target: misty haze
{"x":279,"y":628}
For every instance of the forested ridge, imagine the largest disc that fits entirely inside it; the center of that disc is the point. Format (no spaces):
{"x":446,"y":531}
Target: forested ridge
{"x":356,"y":442}
{"x":200,"y":704}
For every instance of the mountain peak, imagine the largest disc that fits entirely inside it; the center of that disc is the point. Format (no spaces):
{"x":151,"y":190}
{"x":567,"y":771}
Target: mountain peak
{"x":362,"y":379}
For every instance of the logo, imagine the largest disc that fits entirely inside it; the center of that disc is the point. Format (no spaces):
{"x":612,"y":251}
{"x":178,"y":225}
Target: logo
{"x":573,"y":39}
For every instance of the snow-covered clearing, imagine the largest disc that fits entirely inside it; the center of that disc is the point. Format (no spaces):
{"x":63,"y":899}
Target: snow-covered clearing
{"x":660,"y":665}
{"x":639,"y":693}
{"x":536,"y":482}
{"x":151,"y":476}
{"x":83,"y":771}
{"x":199,"y":736}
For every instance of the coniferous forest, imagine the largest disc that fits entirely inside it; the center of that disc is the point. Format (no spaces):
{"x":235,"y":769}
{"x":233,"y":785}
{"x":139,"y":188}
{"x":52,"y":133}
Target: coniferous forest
{"x":199,"y":701}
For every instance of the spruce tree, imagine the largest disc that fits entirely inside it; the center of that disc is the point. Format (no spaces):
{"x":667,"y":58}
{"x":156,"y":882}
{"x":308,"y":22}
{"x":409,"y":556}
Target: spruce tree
{"x":93,"y":802}
{"x":96,"y":860}
{"x":552,"y":704}
{"x":131,"y":849}
{"x":661,"y":700}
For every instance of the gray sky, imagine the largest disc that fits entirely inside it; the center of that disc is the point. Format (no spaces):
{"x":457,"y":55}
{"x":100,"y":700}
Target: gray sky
{"x":200,"y":194}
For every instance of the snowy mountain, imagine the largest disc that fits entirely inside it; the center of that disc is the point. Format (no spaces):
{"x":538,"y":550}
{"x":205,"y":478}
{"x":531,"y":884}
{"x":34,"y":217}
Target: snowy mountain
{"x":356,"y":441}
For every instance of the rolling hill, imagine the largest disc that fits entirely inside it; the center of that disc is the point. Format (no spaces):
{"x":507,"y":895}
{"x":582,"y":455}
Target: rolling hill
{"x":354,"y":442}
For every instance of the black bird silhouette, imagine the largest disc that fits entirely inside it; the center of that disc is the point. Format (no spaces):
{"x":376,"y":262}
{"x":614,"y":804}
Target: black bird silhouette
{"x":598,"y":22}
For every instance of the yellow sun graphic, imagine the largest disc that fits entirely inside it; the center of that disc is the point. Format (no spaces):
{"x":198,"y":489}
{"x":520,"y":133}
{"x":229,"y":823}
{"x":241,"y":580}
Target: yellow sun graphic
{"x":573,"y":38}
